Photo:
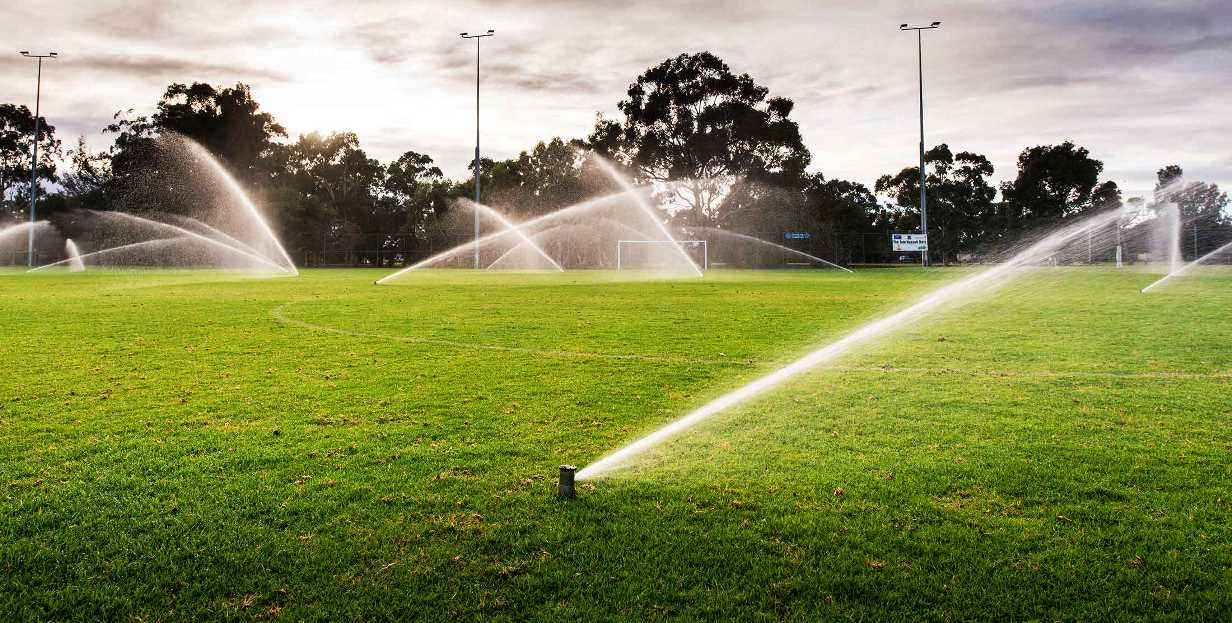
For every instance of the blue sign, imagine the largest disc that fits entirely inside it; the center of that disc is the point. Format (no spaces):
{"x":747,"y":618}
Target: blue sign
{"x":909,"y":242}
{"x":797,"y":235}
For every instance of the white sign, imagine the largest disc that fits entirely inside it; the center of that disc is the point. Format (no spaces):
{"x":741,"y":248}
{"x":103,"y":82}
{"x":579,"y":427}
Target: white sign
{"x":909,"y":242}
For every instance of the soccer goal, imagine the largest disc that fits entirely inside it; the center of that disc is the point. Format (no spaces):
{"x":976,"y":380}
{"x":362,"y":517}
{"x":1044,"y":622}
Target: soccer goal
{"x":629,"y":252}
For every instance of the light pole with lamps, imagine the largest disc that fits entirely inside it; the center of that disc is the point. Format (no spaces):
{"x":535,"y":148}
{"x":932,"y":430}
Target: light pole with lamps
{"x":38,"y":92}
{"x":477,"y":37}
{"x":923,"y":200}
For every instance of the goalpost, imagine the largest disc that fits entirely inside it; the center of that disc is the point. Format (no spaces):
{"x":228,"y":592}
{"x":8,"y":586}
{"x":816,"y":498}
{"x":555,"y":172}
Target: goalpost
{"x":682,"y":244}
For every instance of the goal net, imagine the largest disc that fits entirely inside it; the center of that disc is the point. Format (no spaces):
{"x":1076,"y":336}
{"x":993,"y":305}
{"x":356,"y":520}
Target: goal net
{"x":661,"y":254}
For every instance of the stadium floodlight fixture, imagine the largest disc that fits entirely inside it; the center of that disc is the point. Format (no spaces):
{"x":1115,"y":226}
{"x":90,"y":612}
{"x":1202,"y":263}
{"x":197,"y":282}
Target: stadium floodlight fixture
{"x":928,"y":27}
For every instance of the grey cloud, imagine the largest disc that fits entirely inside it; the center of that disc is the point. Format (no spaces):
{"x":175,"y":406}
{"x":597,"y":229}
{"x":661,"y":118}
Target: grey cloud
{"x":1050,"y":80}
{"x":513,"y":76}
{"x":184,"y":24}
{"x":1118,"y":33}
{"x":158,"y":67}
{"x":514,"y":66}
{"x":1174,"y":46}
{"x":385,"y":42}
{"x":1142,"y":18}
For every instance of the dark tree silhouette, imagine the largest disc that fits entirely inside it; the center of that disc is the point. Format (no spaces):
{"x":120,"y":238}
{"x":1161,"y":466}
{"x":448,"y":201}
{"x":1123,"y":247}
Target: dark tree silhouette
{"x":1202,"y":209}
{"x":846,"y":206}
{"x":691,"y":121}
{"x":336,"y":179}
{"x":88,"y":178}
{"x":961,"y":211}
{"x":721,"y":151}
{"x":1055,"y":182}
{"x":16,"y":142}
{"x":228,"y":122}
{"x":551,"y":176}
{"x":413,"y":192}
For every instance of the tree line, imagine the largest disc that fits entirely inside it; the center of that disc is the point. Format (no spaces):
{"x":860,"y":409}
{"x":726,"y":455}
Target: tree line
{"x":717,"y":148}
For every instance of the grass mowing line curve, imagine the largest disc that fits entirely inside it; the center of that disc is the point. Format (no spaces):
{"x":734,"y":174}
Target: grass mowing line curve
{"x":1058,"y":374}
{"x":279,"y":314}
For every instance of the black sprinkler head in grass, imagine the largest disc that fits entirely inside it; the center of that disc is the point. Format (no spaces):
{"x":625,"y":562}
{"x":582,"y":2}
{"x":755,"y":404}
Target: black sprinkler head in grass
{"x":565,"y":488}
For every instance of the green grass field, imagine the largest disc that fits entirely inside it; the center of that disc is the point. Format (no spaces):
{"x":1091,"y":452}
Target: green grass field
{"x":179,"y":446}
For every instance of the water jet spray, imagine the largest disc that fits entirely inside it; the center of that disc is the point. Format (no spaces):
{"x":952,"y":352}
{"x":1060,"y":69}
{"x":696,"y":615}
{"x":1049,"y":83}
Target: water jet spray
{"x":628,"y":187}
{"x":990,"y":278}
{"x":535,"y":226}
{"x":74,"y":256}
{"x":775,"y":245}
{"x":1187,"y":267}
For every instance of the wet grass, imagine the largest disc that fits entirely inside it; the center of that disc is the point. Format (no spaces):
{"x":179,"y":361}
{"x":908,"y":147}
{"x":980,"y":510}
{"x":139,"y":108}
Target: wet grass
{"x":179,"y":446}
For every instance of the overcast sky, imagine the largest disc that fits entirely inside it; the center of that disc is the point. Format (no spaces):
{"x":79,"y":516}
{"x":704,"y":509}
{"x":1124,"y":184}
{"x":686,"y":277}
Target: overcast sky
{"x":1139,"y":83}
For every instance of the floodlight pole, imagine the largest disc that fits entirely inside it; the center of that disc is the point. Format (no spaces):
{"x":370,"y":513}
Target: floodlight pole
{"x":464,"y":35}
{"x":919,"y":30}
{"x":38,"y":93}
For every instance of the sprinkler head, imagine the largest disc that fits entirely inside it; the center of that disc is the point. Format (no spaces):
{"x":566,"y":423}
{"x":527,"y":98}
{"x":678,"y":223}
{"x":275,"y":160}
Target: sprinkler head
{"x":565,"y":488}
